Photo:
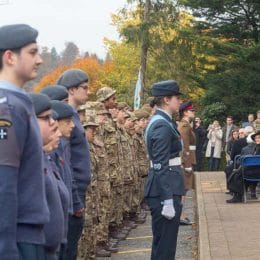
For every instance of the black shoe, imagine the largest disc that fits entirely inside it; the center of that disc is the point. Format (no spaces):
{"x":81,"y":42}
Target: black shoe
{"x":235,"y":199}
{"x":229,"y":193}
{"x":185,"y":222}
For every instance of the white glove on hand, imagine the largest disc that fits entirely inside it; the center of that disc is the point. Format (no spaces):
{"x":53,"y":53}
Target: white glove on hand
{"x":168,"y":210}
{"x":188,"y":169}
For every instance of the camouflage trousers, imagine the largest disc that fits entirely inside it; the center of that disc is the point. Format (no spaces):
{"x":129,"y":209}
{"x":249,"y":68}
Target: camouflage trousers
{"x":117,"y":201}
{"x":104,"y":205}
{"x":88,"y":240}
{"x":127,"y":197}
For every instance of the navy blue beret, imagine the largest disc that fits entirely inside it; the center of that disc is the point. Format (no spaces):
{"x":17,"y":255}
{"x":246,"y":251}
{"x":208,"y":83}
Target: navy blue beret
{"x":56,"y":92}
{"x":72,"y":78}
{"x":54,"y":115}
{"x":166,"y":88}
{"x":186,"y":106}
{"x":62,"y":109}
{"x":16,"y":36}
{"x":41,"y":103}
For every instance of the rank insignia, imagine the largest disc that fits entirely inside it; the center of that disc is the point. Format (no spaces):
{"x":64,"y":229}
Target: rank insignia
{"x":3,"y":134}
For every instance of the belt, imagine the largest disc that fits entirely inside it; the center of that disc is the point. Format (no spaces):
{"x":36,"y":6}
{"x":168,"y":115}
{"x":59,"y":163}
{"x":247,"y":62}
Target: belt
{"x":192,"y":147}
{"x":172,"y":162}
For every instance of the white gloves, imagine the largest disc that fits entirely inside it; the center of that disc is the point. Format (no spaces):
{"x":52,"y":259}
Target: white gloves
{"x":188,"y":169}
{"x":168,"y":210}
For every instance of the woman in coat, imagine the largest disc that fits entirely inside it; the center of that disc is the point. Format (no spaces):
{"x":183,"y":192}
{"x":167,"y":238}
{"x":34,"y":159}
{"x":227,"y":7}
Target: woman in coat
{"x":214,"y":146}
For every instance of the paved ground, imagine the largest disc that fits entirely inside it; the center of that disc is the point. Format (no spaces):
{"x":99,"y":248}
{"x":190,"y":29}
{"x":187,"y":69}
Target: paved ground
{"x":138,"y":244}
{"x":226,"y":231}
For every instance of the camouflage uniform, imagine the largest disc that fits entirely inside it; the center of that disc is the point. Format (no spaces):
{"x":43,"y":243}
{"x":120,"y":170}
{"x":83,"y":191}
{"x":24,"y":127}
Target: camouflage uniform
{"x":134,"y":162}
{"x":103,"y":183}
{"x":88,"y":241}
{"x":141,"y":152}
{"x":128,"y":170}
{"x":112,"y":145}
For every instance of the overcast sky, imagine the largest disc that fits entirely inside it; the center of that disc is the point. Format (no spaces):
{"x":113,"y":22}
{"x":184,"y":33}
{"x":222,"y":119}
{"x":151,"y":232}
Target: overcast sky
{"x":85,"y":22}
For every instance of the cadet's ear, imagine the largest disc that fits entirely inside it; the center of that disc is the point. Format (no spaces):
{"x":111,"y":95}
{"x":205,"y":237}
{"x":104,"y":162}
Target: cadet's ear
{"x":9,"y":58}
{"x":71,"y":91}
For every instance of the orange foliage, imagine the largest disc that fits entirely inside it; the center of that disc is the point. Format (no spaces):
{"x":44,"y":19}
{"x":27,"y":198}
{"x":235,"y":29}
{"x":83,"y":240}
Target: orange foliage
{"x":90,"y":65}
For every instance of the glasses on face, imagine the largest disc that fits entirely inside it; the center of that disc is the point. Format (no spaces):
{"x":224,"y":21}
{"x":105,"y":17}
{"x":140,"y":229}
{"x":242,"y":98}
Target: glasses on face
{"x":84,"y":86}
{"x":47,"y":118}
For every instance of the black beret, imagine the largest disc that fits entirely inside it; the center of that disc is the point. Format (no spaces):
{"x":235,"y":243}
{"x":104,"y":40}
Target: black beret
{"x":16,"y":36}
{"x":55,"y":92}
{"x":62,"y":109}
{"x":186,"y":106}
{"x":72,"y":78}
{"x":54,"y":115}
{"x":166,"y":88}
{"x":41,"y":103}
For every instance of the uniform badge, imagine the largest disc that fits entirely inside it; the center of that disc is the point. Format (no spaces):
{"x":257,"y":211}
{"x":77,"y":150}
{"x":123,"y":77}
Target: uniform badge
{"x":5,"y":123}
{"x":3,"y":134}
{"x":157,"y":166}
{"x":3,"y":100}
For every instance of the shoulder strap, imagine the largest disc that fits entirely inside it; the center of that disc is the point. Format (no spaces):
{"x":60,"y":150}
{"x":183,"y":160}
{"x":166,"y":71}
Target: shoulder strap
{"x":154,"y":119}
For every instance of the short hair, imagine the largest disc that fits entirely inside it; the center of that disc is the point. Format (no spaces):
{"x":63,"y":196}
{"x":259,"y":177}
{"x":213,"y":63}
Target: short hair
{"x":231,"y":117}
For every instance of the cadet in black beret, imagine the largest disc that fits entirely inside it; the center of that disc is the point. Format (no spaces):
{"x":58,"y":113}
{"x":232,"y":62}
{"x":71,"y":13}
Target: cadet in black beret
{"x":62,"y":109}
{"x":76,"y":81}
{"x":21,"y":173}
{"x":40,"y":102}
{"x":72,"y":78}
{"x":165,"y":184}
{"x":56,"y":92}
{"x":16,"y":36}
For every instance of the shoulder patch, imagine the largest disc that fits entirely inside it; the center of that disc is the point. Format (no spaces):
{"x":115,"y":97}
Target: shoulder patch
{"x":3,"y":100}
{"x":5,"y":123}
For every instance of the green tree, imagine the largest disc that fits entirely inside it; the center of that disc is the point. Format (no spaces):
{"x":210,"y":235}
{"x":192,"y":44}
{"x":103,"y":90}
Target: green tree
{"x":238,"y":20}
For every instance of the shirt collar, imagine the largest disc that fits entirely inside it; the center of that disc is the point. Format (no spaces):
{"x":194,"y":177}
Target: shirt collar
{"x":168,"y":114}
{"x":9,"y":86}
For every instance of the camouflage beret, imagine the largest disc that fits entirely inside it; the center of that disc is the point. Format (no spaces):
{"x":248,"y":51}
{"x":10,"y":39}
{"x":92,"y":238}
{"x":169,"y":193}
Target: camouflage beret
{"x":100,"y":109}
{"x":90,"y":121}
{"x":131,"y":116}
{"x":141,"y":114}
{"x":147,"y":108}
{"x":105,"y":93}
{"x":122,"y":105}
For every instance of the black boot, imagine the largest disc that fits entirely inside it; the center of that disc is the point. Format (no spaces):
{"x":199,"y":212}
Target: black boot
{"x":237,"y":198}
